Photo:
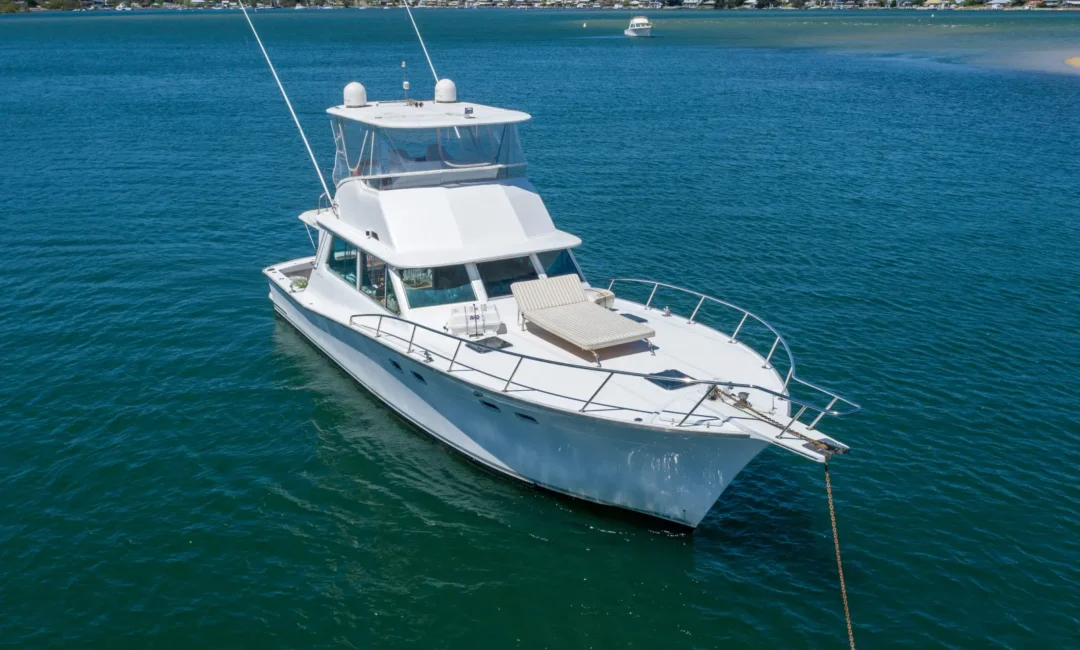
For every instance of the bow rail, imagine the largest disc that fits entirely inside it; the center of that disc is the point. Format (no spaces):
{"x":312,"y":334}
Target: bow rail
{"x":374,"y":326}
{"x":778,"y":340}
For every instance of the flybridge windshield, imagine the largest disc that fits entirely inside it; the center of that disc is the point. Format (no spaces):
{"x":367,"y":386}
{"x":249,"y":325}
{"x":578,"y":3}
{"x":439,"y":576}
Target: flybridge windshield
{"x":396,"y":158}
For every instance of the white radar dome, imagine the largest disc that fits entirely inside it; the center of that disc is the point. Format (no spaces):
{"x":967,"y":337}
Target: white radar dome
{"x":445,"y":92}
{"x":355,"y":95}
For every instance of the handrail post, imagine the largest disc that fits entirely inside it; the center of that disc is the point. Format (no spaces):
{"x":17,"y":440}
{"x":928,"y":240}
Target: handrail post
{"x":771,"y":351}
{"x":708,"y":391}
{"x":821,"y":414}
{"x":655,"y":286}
{"x":456,"y":350}
{"x":611,"y":284}
{"x":602,"y":384}
{"x":793,"y":420}
{"x":734,"y":336}
{"x":691,"y":321}
{"x":790,"y":371}
{"x":516,"y":366}
{"x":411,"y":337}
{"x":378,"y":327}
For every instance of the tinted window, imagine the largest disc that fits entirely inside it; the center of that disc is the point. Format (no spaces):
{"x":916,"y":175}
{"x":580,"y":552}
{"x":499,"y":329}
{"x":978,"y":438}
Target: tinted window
{"x":500,"y":274}
{"x":556,"y":263}
{"x":342,"y":260}
{"x":441,"y":285}
{"x":375,"y":282}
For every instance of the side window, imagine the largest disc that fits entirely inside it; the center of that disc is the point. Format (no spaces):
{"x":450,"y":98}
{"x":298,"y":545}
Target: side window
{"x":375,"y":281}
{"x":373,"y":277}
{"x":342,"y":260}
{"x":500,"y":274}
{"x":556,"y":263}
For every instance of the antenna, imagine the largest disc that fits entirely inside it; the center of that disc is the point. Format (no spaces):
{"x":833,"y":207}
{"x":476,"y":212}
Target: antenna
{"x":404,"y":82}
{"x":417,"y":29}
{"x":296,"y":120}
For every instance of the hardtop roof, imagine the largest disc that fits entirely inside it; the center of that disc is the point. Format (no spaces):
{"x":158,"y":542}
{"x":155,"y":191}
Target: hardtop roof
{"x":428,"y":114}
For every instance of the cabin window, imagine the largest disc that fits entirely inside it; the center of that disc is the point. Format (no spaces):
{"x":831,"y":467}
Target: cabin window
{"x":442,"y":285}
{"x":375,"y":282}
{"x":342,"y":260}
{"x":500,"y":274}
{"x":556,"y":263}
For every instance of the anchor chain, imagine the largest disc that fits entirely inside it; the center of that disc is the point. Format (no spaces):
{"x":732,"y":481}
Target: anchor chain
{"x":839,"y":563}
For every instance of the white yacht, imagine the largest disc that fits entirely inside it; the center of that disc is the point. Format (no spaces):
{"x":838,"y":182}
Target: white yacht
{"x":441,"y":284}
{"x":640,"y":27}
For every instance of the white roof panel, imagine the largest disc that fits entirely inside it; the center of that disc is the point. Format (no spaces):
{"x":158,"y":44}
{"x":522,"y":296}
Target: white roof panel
{"x":430,"y":115}
{"x":446,"y":256}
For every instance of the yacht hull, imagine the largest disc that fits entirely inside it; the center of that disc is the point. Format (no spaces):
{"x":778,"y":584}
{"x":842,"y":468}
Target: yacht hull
{"x":676,"y":476}
{"x":645,"y":32}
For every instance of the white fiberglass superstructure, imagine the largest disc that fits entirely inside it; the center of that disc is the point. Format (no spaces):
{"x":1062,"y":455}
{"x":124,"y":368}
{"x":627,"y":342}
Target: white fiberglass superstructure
{"x":442,"y":285}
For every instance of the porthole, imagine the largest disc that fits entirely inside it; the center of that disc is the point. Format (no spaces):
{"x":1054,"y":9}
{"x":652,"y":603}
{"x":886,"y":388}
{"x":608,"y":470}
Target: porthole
{"x":490,"y":406}
{"x":419,"y":377}
{"x":397,"y":366}
{"x":527,"y":418}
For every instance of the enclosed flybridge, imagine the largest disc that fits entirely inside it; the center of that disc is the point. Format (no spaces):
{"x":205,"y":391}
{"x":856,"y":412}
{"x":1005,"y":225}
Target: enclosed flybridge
{"x":442,"y":285}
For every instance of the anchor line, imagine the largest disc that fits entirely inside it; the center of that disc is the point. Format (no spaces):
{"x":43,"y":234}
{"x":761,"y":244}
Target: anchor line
{"x":839,"y":562}
{"x":292,"y":112}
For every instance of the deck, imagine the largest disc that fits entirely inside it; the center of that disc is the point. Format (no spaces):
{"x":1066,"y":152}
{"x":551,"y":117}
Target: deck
{"x":540,"y":368}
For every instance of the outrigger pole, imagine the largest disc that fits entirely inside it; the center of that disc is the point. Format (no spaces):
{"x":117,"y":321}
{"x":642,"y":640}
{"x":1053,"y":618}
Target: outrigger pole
{"x":311,"y":154}
{"x":422,"y":46}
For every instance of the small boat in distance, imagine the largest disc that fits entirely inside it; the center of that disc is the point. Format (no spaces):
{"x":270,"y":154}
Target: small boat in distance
{"x":640,"y":27}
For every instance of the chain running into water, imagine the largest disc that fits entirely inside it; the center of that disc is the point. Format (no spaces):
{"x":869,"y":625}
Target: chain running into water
{"x":839,"y":563}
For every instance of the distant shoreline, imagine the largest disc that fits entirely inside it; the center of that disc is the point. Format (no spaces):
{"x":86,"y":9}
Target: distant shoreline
{"x":81,"y":6}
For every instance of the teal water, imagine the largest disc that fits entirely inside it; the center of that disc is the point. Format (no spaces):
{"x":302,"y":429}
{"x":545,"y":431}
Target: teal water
{"x":897,"y":193}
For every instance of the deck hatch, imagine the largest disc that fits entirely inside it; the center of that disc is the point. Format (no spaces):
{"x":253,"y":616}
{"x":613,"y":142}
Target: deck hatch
{"x":639,"y":319}
{"x":672,"y":384}
{"x":490,"y":342}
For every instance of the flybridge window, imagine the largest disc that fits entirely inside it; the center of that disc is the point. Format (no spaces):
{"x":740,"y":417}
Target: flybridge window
{"x":397,"y":158}
{"x":442,"y":285}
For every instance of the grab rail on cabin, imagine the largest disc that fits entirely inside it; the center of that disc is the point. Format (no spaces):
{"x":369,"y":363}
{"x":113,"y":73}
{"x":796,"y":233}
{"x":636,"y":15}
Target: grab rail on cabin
{"x":778,"y":339}
{"x":712,"y":385}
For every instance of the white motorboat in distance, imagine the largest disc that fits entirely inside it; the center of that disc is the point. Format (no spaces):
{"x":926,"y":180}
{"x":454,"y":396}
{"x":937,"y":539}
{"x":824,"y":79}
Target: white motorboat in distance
{"x":442,"y":285}
{"x":640,"y":27}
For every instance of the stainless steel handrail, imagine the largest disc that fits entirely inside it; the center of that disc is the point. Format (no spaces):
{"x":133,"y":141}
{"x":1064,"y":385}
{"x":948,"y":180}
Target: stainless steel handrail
{"x":711,"y":384}
{"x":791,"y":376}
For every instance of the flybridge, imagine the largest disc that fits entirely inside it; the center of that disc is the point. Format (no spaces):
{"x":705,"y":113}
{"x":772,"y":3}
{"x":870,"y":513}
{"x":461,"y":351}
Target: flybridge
{"x":396,"y":145}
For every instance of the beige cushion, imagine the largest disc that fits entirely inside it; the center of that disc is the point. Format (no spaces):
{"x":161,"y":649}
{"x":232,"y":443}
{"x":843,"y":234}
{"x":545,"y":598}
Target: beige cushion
{"x":589,"y":326}
{"x":533,"y":295}
{"x":560,"y":306}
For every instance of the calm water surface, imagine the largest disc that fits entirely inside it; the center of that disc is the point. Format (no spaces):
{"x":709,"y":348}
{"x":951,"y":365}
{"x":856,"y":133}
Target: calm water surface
{"x":897,"y":192}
